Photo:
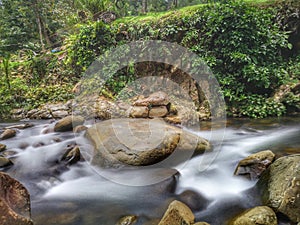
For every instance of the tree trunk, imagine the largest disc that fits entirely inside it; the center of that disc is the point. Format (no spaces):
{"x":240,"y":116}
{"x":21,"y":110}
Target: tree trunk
{"x":6,"y":70}
{"x":38,"y":21}
{"x":41,"y":26}
{"x":144,"y":6}
{"x":175,"y":3}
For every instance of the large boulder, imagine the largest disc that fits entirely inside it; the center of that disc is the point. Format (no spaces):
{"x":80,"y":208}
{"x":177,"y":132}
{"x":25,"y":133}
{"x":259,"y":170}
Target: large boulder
{"x":177,"y":214}
{"x":68,"y":123}
{"x":254,"y":165}
{"x":140,"y":142}
{"x":258,"y":215}
{"x":14,"y":202}
{"x":280,"y":186}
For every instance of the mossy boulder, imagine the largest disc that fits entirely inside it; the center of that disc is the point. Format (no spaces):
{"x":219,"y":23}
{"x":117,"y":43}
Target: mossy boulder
{"x":280,"y":186}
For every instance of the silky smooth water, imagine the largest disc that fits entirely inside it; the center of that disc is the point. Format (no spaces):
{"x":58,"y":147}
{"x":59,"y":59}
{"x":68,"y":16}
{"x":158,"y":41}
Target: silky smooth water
{"x":77,"y":194}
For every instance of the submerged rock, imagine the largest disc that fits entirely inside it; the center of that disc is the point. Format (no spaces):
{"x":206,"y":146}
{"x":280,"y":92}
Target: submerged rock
{"x":193,"y":200}
{"x":177,"y":214}
{"x":140,"y":142}
{"x":254,"y":165}
{"x":72,"y":155}
{"x":68,"y":123}
{"x":79,"y":128}
{"x":127,"y":220}
{"x":280,"y":186}
{"x":8,"y":133}
{"x":14,"y":202}
{"x":258,"y":215}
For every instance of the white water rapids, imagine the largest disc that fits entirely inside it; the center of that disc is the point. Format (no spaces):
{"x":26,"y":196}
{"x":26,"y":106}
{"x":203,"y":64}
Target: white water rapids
{"x":96,"y":200}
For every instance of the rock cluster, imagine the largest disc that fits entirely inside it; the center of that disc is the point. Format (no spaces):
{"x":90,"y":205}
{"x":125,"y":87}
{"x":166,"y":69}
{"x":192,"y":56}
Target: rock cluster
{"x":278,"y":185}
{"x":48,"y":111}
{"x":155,"y":105}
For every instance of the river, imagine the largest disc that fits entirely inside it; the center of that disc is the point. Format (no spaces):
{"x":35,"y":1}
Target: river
{"x":78,"y":195}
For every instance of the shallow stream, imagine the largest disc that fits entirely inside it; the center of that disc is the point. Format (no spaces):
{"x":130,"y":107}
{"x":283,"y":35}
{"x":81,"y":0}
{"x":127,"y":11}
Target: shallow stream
{"x":78,"y":195}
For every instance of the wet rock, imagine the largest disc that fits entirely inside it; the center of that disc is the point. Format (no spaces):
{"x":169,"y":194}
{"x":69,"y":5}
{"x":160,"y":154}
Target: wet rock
{"x":156,"y":99}
{"x":4,"y":162}
{"x":68,"y":123}
{"x":159,"y":111}
{"x":258,"y":215}
{"x":47,"y":130}
{"x":139,"y":112}
{"x":9,"y":153}
{"x":280,"y":186}
{"x":139,"y":141}
{"x":193,"y":200}
{"x":254,"y":165}
{"x":72,"y":155}
{"x":2,"y":147}
{"x":177,"y":214}
{"x":20,"y":126}
{"x":79,"y":129}
{"x":14,"y":202}
{"x":127,"y":220}
{"x":9,"y":133}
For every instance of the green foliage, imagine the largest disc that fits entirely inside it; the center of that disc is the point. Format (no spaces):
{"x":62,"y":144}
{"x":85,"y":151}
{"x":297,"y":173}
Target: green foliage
{"x":26,"y":97}
{"x":91,"y":42}
{"x":240,"y":42}
{"x":260,"y":106}
{"x":94,"y":6}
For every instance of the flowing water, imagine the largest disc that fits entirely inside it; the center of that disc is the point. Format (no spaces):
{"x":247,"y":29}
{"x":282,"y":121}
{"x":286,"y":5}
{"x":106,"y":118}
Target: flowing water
{"x":77,"y":195}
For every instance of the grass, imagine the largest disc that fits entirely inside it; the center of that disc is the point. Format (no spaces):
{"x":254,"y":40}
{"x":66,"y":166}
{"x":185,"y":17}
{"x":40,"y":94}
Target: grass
{"x":158,"y":16}
{"x":185,"y":11}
